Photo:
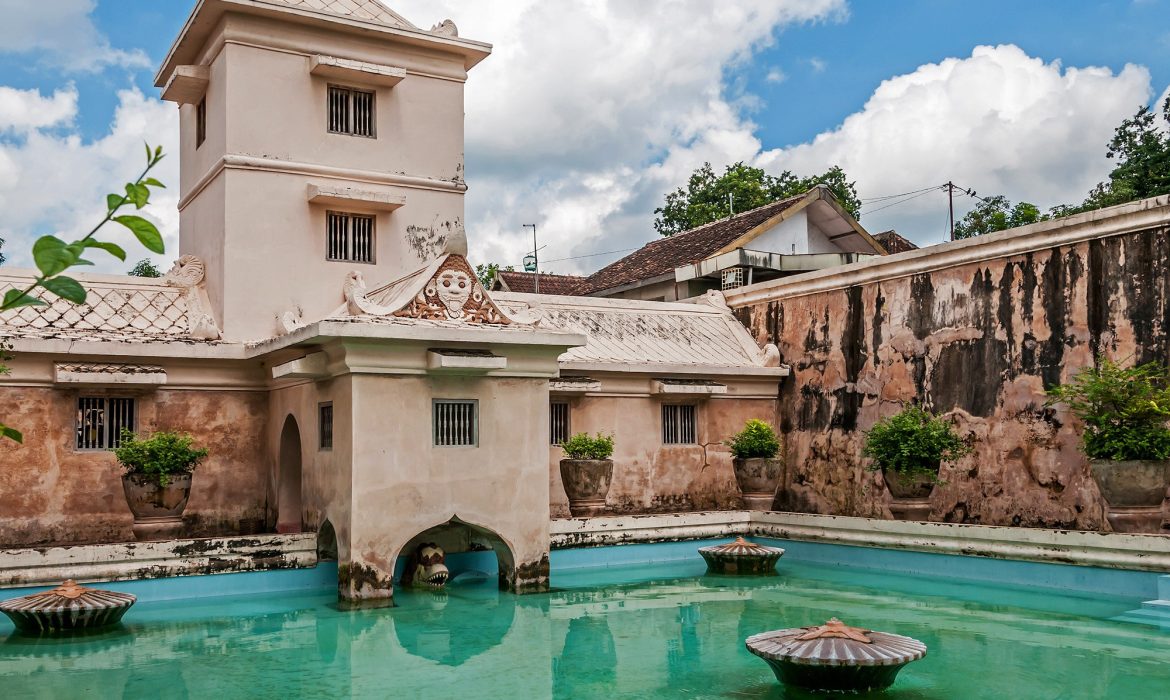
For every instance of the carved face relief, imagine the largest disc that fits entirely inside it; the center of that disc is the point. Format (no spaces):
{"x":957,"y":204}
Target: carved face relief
{"x":430,"y":571}
{"x":454,"y":287}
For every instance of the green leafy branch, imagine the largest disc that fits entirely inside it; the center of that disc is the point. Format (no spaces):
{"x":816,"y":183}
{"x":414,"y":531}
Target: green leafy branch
{"x":54,"y":256}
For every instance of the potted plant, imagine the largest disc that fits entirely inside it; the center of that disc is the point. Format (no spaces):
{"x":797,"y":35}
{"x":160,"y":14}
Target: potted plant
{"x":1124,"y":411}
{"x":157,"y":482}
{"x":586,"y":471}
{"x":757,"y":470}
{"x":909,"y":448}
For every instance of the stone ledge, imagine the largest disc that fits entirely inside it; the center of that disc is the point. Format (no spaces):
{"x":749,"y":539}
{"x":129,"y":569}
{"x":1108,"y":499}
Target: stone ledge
{"x":138,"y":560}
{"x":1106,"y":550}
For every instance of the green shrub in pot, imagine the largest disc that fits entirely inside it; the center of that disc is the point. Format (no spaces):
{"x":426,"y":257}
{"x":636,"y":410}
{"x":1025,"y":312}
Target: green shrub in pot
{"x":912,"y":444}
{"x":162,"y":455}
{"x":756,"y":440}
{"x":584,"y":446}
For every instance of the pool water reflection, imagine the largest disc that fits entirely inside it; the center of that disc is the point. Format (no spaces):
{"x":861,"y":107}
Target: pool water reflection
{"x":680,"y":635}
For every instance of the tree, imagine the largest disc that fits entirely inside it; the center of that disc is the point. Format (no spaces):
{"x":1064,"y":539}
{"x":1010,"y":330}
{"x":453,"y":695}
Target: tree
{"x":705,"y":198}
{"x":54,"y":256}
{"x":2,"y":258}
{"x":1141,"y":145}
{"x":997,"y":214}
{"x":145,"y":268}
{"x":487,"y":273}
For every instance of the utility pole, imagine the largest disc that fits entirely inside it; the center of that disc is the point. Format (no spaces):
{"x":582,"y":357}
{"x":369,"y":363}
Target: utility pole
{"x":535,"y":260}
{"x":731,"y":203}
{"x":951,"y":199}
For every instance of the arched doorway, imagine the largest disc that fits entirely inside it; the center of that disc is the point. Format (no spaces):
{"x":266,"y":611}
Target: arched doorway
{"x":288,"y":484}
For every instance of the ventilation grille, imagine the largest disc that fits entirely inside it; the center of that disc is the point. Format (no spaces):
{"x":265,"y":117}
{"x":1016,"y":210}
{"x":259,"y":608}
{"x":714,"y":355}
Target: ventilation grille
{"x":558,"y":428}
{"x":678,"y":424}
{"x":100,"y":422}
{"x":349,"y":237}
{"x":456,"y":423}
{"x":351,"y":112}
{"x":732,"y":278}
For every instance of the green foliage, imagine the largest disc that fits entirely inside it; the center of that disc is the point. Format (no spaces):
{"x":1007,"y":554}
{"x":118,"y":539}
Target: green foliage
{"x":1124,"y":409}
{"x":582,"y":446}
{"x":705,"y":198}
{"x":1141,"y":145}
{"x":912,"y":442}
{"x":487,"y":273}
{"x":54,"y":256}
{"x":2,"y":258}
{"x":163,"y":454}
{"x":757,"y":439}
{"x":997,"y":214}
{"x":145,"y":268}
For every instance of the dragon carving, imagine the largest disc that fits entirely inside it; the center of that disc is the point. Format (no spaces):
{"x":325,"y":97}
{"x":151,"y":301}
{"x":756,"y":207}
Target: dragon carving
{"x":187,"y":274}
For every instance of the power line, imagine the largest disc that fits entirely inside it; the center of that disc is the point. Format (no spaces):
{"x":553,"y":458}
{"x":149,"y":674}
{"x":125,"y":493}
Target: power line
{"x":591,"y":255}
{"x":902,"y":201}
{"x":903,"y":194}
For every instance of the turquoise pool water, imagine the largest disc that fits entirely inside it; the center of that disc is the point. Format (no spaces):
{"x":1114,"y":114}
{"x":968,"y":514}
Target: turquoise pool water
{"x":658,"y":630}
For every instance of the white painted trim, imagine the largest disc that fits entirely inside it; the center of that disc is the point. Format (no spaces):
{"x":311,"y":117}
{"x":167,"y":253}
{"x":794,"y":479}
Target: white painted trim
{"x":1107,"y":550}
{"x":135,"y":560}
{"x":356,"y":71}
{"x":1125,"y":218}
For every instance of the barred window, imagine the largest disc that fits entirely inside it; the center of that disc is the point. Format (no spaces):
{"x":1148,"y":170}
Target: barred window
{"x":100,"y":421}
{"x":558,"y":419}
{"x":351,"y":111}
{"x":349,"y":237}
{"x":200,"y":122}
{"x":678,"y":424}
{"x":456,"y":423}
{"x":325,"y":426}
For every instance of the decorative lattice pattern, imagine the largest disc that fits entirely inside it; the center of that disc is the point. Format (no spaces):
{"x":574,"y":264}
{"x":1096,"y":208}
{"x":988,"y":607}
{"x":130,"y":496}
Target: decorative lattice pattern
{"x":128,"y":312}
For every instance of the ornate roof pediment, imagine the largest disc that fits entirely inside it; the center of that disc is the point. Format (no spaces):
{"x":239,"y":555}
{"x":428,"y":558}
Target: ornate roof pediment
{"x":447,"y":289}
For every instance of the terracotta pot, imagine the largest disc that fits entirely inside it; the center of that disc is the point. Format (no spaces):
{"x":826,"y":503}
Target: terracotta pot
{"x":157,"y":509}
{"x":911,"y":494}
{"x":1134,"y":490}
{"x":586,"y":484}
{"x":758,"y":478}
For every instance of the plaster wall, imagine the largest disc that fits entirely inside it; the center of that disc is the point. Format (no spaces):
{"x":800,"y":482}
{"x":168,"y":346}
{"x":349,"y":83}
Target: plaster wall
{"x":53,"y":493}
{"x":403,"y":485}
{"x":789,"y":237}
{"x":980,"y":341}
{"x":649,"y":476}
{"x":244,"y":192}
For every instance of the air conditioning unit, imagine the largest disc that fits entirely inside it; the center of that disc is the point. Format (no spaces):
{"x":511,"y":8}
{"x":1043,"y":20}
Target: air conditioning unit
{"x":732,"y":278}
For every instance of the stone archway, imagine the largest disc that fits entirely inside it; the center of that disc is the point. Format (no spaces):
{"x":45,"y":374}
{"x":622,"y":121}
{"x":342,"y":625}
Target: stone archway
{"x":288,"y":478}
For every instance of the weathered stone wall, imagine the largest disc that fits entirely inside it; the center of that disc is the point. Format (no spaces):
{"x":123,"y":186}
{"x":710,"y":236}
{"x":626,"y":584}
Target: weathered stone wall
{"x":980,"y":341}
{"x":52,"y":493}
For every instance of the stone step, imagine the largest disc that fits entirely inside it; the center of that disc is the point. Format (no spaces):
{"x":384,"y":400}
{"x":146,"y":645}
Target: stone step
{"x":1164,"y":587}
{"x":1155,"y":615}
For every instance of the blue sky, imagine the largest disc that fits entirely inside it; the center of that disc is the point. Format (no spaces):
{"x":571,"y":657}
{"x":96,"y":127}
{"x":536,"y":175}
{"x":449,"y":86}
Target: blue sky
{"x":586,"y":141}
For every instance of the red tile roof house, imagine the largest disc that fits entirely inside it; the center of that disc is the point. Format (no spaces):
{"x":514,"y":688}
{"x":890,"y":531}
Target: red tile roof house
{"x":807,"y":232}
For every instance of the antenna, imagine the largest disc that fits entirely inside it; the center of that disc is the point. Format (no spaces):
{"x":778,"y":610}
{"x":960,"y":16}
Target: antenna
{"x":535,"y":259}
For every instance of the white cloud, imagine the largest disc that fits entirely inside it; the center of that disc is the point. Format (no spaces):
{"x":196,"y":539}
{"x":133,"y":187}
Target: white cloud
{"x":818,"y":65}
{"x":775,"y":75}
{"x":62,"y":32}
{"x":587,"y":112}
{"x":54,"y":182}
{"x":21,"y":110}
{"x":999,"y":121}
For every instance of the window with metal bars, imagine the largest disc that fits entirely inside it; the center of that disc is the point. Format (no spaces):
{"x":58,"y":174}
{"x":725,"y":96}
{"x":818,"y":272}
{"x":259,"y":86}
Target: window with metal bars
{"x":351,"y":112}
{"x":100,"y":421}
{"x":325,"y":426}
{"x":678,"y":424}
{"x":200,"y":122}
{"x":456,"y":423}
{"x":558,"y":422}
{"x":349,"y":237}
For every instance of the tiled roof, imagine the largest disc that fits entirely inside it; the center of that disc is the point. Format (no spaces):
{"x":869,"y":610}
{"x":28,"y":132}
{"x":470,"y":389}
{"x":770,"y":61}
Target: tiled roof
{"x":370,"y":10}
{"x":642,"y":334}
{"x":662,"y":256}
{"x":524,"y":282}
{"x":133,"y":309}
{"x":894,"y":243}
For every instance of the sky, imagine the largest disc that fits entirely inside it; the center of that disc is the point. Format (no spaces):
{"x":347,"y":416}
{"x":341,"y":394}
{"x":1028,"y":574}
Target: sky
{"x":589,"y":111}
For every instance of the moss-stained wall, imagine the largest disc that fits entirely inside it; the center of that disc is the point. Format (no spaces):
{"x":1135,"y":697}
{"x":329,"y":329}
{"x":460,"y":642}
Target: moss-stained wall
{"x":981,"y":342}
{"x":52,"y":493}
